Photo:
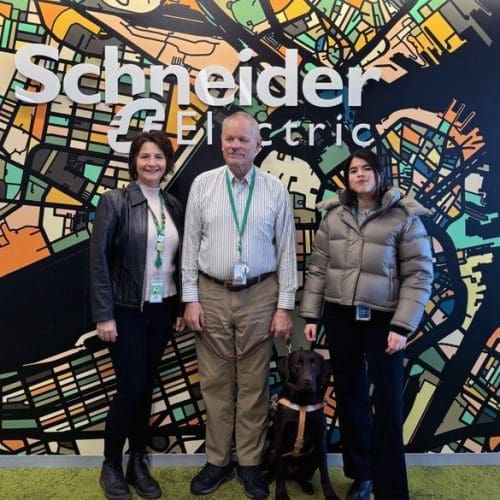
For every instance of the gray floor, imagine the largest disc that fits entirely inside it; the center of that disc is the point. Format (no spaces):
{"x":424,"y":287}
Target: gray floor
{"x":170,"y":460}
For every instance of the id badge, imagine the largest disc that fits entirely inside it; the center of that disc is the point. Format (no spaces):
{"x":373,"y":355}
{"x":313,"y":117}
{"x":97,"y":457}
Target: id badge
{"x":240,"y":273}
{"x":156,"y":292}
{"x":363,"y":313}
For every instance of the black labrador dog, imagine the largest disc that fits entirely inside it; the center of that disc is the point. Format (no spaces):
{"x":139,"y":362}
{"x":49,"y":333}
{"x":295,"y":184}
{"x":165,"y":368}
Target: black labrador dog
{"x":299,"y":445}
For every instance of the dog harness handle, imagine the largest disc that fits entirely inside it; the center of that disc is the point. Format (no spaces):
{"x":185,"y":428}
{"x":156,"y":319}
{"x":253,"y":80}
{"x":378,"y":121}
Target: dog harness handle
{"x":299,"y":440}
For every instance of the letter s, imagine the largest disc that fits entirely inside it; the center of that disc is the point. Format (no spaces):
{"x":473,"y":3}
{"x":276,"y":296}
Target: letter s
{"x":50,"y":82}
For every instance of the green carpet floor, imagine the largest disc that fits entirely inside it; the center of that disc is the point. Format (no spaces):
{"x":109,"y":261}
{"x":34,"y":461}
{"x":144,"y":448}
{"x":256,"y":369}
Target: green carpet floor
{"x":426,"y":483}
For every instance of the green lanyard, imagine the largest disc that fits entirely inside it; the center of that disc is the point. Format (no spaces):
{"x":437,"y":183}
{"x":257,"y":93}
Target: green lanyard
{"x":160,"y":231}
{"x":240,"y":228}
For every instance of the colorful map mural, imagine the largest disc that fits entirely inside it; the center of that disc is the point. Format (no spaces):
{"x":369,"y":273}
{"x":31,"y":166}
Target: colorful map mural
{"x":430,"y":117}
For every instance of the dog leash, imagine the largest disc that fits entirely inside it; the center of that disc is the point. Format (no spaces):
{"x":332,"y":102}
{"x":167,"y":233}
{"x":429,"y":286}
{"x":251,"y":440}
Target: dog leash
{"x":299,"y":441}
{"x":206,"y":335}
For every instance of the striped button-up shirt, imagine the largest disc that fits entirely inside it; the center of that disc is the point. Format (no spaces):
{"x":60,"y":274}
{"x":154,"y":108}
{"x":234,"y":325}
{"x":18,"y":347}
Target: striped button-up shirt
{"x":211,"y":237}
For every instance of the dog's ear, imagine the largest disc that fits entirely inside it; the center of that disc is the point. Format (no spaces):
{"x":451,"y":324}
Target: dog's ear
{"x":325,"y":373}
{"x":283,"y":368}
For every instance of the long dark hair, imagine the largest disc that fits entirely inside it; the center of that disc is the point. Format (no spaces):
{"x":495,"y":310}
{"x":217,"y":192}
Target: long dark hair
{"x":380,"y":178}
{"x":159,"y":138}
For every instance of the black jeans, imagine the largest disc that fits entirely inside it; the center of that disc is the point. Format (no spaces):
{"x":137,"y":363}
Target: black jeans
{"x":142,"y":337}
{"x":371,"y":436}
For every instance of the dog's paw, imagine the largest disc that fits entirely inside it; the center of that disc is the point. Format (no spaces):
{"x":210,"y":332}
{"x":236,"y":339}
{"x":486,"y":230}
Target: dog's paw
{"x":281,"y":493}
{"x":282,"y":496}
{"x":306,"y":486}
{"x":268,"y":477}
{"x":333,"y":496}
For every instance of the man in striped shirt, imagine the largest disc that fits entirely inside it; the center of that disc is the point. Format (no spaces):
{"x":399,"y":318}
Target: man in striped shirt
{"x":238,"y":282}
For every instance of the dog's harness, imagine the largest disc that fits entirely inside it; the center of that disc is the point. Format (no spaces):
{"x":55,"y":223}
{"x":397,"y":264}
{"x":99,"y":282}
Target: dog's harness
{"x":299,"y":441}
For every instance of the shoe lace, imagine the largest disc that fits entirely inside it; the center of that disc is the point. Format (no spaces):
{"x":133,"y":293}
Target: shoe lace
{"x":211,"y":470}
{"x":214,"y":471}
{"x":115,"y":471}
{"x":142,"y":462}
{"x":252,"y":474}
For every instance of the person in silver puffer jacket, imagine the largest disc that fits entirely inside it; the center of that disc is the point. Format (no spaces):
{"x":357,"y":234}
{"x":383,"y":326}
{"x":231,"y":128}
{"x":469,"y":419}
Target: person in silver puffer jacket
{"x":369,"y":279}
{"x":384,"y":264}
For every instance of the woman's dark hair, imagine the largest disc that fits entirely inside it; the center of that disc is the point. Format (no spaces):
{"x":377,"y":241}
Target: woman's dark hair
{"x":380,"y":178}
{"x":159,"y":138}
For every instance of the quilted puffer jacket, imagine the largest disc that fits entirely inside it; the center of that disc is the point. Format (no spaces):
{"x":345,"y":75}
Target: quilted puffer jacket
{"x":385,"y":263}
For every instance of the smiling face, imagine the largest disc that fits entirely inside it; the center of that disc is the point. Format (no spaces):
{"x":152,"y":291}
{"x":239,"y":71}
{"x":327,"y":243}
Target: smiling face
{"x":362,"y":179}
{"x":151,"y":165}
{"x":240,"y":144}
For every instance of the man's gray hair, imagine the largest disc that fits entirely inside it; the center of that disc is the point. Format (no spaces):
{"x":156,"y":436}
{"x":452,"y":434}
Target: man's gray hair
{"x":246,"y":116}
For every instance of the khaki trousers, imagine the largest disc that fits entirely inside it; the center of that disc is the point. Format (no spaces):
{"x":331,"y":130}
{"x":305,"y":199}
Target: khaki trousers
{"x":235,"y":321}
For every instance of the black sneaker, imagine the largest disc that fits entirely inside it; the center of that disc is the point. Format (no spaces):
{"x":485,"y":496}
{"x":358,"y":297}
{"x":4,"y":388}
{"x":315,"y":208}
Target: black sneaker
{"x":252,"y":479}
{"x":210,"y":478}
{"x":139,"y":477}
{"x":112,"y":481}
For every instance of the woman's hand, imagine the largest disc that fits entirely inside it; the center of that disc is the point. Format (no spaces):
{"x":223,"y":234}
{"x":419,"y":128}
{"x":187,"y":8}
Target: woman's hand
{"x":106,"y":330}
{"x":395,"y":343}
{"x":310,"y":331}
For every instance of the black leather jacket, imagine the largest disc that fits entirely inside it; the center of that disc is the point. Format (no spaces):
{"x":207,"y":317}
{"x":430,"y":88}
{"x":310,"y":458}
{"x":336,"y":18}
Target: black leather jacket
{"x":118,"y":249}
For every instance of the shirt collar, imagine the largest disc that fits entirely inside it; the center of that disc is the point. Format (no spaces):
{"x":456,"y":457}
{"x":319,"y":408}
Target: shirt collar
{"x":246,"y":179}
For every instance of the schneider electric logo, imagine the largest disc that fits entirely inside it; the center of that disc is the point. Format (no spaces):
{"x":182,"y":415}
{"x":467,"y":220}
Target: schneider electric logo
{"x":321,"y":86}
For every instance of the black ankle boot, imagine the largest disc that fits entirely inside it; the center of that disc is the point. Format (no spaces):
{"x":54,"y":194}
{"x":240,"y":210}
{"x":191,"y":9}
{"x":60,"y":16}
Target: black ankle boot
{"x":360,"y":490}
{"x":112,"y":481}
{"x":139,"y":477}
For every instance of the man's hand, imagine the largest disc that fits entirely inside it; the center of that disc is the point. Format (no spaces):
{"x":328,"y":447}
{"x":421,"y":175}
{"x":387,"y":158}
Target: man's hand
{"x":180,"y":324}
{"x":395,"y":342}
{"x":106,"y":330}
{"x":194,"y":316}
{"x":310,"y":331}
{"x":281,"y":325}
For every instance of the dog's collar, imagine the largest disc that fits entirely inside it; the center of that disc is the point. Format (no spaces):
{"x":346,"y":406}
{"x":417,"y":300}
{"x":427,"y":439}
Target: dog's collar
{"x":296,"y":407}
{"x":301,"y":426}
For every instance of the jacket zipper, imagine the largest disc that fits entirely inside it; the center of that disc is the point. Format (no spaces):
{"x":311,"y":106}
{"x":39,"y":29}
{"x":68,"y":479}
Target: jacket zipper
{"x":391,"y":284}
{"x":145,"y":260}
{"x":358,"y":231}
{"x":359,"y":268}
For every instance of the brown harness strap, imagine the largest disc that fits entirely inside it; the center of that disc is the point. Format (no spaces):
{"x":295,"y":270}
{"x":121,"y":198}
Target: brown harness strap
{"x":299,"y":440}
{"x":205,"y":335}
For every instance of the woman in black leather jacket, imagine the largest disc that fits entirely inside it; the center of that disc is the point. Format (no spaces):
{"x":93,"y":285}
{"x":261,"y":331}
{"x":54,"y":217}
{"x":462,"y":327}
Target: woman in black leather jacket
{"x":134,"y":278}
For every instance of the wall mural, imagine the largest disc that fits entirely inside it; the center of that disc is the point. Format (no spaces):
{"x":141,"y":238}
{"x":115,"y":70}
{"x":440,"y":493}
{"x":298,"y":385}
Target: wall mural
{"x":430,"y":116}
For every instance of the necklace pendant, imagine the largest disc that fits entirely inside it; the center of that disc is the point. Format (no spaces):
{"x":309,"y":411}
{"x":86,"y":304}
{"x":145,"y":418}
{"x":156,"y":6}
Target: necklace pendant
{"x":160,"y":246}
{"x":158,"y":262}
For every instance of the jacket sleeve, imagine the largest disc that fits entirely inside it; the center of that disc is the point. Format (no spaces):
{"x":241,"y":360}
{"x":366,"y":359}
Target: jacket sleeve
{"x":314,"y":288}
{"x":179,"y":222}
{"x":101,"y":293}
{"x":415,"y":273}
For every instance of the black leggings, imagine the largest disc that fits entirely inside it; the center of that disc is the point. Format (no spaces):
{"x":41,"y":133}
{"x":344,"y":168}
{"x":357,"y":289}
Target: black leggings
{"x":142,"y":337}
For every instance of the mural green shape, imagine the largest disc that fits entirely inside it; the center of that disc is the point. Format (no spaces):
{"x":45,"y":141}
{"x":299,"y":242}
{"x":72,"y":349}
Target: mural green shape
{"x":432,"y":150}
